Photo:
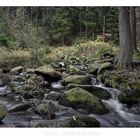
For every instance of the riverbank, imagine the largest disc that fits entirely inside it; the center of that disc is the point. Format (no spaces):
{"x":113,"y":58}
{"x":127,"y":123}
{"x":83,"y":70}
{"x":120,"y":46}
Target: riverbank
{"x":62,"y":90}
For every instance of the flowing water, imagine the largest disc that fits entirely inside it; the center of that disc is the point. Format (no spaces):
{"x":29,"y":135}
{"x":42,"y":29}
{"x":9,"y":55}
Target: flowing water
{"x":118,"y":115}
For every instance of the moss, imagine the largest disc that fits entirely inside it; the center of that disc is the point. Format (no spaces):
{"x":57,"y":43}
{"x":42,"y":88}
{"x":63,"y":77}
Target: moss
{"x":80,"y":98}
{"x":3,"y":111}
{"x":129,"y":98}
{"x":77,"y":79}
{"x":122,"y":79}
{"x":97,"y":91}
{"x":73,"y":95}
{"x":136,"y":56}
{"x":112,"y":80}
{"x":46,"y":110}
{"x":134,"y":86}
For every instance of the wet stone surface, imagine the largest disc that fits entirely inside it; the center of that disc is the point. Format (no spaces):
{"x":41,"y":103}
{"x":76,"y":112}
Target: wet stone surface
{"x":21,"y":107}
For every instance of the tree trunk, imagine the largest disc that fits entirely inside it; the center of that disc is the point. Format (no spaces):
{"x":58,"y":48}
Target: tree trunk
{"x":86,"y":26}
{"x":133,"y":27}
{"x":37,"y":21}
{"x":80,"y":21}
{"x":62,"y":39}
{"x":125,"y":52}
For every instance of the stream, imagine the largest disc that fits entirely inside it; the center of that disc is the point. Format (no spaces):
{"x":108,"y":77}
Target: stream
{"x":118,"y":115}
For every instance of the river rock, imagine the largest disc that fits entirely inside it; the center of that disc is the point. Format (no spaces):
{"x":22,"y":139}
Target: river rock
{"x":1,"y":83}
{"x":73,"y":121}
{"x":53,"y":95}
{"x":83,"y":121}
{"x":80,"y":98}
{"x":77,"y":79}
{"x":17,"y":69}
{"x":129,"y":97}
{"x":3,"y":111}
{"x":135,"y":109}
{"x":46,"y":110}
{"x":20,"y":107}
{"x":48,"y":73}
{"x":97,"y":91}
{"x":35,"y":86}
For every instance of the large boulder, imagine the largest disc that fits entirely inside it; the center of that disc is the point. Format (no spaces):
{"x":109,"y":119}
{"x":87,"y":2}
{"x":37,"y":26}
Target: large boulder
{"x":48,"y":73}
{"x":77,"y":79}
{"x":46,"y":110}
{"x":129,"y":97}
{"x":122,"y":79}
{"x":3,"y":111}
{"x":33,"y":87}
{"x":97,"y":91}
{"x":80,"y":98}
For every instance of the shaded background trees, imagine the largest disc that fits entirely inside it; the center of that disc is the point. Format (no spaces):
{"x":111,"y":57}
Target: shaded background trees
{"x":28,"y":27}
{"x":55,"y":25}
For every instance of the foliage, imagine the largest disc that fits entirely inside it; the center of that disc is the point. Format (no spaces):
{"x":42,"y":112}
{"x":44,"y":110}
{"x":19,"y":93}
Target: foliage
{"x":83,"y":52}
{"x":10,"y":58}
{"x":136,"y":56}
{"x":32,"y":26}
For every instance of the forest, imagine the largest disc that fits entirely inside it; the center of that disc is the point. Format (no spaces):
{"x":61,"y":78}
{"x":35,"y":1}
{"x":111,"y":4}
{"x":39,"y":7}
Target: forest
{"x":69,"y":67}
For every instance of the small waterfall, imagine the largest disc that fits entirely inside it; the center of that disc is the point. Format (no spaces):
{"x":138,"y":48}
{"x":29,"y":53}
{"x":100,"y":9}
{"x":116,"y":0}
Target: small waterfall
{"x":118,"y":115}
{"x":57,"y":85}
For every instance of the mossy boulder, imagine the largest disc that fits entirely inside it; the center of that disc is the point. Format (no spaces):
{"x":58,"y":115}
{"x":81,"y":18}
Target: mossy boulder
{"x":46,"y":110}
{"x":80,"y":98}
{"x":77,"y":79}
{"x":132,"y":96}
{"x":48,"y":73}
{"x":135,"y":86}
{"x":104,"y":66}
{"x":33,"y":87}
{"x":97,"y":91}
{"x":129,"y":98}
{"x":122,"y":79}
{"x":3,"y":111}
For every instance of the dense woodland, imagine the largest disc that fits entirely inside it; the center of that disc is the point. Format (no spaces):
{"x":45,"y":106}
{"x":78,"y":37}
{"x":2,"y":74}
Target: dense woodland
{"x":57,"y":25}
{"x":70,"y":66}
